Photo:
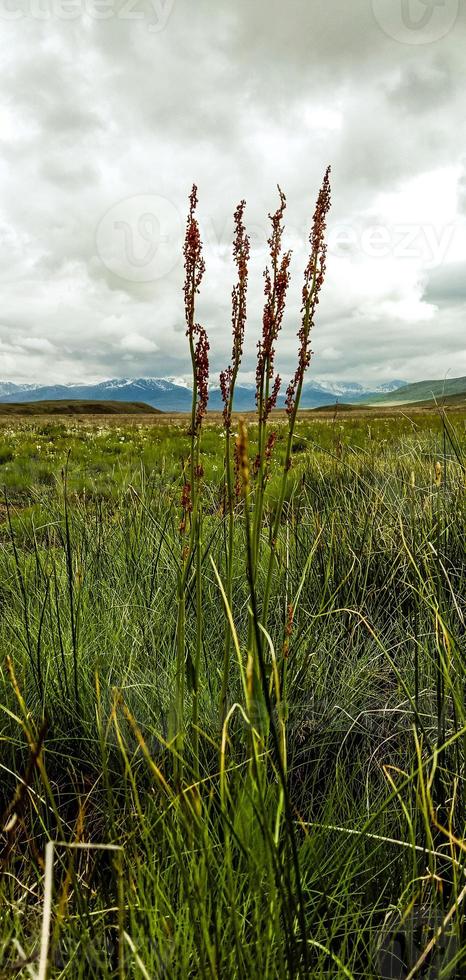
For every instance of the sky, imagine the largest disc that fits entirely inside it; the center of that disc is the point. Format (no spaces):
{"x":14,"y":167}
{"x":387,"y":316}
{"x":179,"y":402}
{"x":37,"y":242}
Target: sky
{"x":111,"y":109}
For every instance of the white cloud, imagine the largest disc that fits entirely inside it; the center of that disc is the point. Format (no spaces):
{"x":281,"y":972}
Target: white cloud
{"x":136,"y":344}
{"x":237,"y":96}
{"x":41,"y":344}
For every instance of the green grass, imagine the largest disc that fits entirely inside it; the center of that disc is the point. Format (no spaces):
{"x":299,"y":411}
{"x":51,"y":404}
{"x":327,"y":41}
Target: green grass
{"x":321,"y":829}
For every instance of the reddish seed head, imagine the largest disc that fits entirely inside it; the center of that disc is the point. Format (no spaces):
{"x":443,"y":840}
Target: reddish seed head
{"x":225,"y":389}
{"x":276,"y":284}
{"x":201,"y":372}
{"x":315,"y":270}
{"x":193,"y":261}
{"x":241,"y":251}
{"x":194,"y":270}
{"x":186,"y":502}
{"x":314,"y":276}
{"x":272,"y":399}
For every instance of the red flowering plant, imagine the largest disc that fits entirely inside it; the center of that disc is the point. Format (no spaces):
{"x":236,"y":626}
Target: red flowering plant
{"x":276,"y":284}
{"x":241,"y":249}
{"x":314,"y":275}
{"x":241,"y":252}
{"x":264,"y":680}
{"x":194,"y":266}
{"x":268,"y":383}
{"x":191,"y":502}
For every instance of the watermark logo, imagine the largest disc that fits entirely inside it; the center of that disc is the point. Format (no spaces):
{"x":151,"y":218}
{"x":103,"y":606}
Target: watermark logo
{"x":155,"y":13}
{"x":424,"y":242}
{"x":416,"y":21}
{"x":140,"y":238}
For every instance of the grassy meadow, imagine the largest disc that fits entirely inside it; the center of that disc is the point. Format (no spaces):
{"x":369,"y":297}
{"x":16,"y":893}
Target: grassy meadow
{"x":232,"y":682}
{"x":309,"y":820}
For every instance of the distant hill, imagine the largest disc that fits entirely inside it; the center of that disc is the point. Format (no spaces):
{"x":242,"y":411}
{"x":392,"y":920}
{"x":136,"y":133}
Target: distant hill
{"x":449,"y":403}
{"x":73,"y":406}
{"x":425,"y":395}
{"x":159,"y":393}
{"x":172,"y":395}
{"x":420,"y":391}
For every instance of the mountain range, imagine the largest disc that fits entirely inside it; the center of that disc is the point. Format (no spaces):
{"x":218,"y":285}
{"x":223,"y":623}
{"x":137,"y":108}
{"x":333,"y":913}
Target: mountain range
{"x":174,"y":395}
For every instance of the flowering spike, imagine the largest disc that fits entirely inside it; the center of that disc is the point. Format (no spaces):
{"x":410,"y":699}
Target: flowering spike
{"x":314,"y":276}
{"x":276,"y":284}
{"x":202,"y":372}
{"x":199,"y":345}
{"x":193,"y":262}
{"x":241,"y":250}
{"x":272,"y":399}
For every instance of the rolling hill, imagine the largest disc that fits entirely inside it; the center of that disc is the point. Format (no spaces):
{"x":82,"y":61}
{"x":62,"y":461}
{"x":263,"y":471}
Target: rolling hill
{"x":77,"y":407}
{"x":421,"y":391}
{"x":449,"y":403}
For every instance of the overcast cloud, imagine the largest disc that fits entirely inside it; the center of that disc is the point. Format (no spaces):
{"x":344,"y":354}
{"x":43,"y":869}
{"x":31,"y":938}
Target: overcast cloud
{"x":110,"y":110}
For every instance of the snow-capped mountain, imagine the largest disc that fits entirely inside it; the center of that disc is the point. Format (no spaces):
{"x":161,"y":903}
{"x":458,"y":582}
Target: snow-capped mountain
{"x":341,"y":388}
{"x":317,"y":393}
{"x":174,"y":394}
{"x":158,"y":392}
{"x":8,"y":388}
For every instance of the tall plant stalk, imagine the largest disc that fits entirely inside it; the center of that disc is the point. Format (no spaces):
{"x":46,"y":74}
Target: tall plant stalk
{"x":191,"y":520}
{"x":299,"y":968}
{"x":314,"y":276}
{"x":268,"y":383}
{"x":228,"y":378}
